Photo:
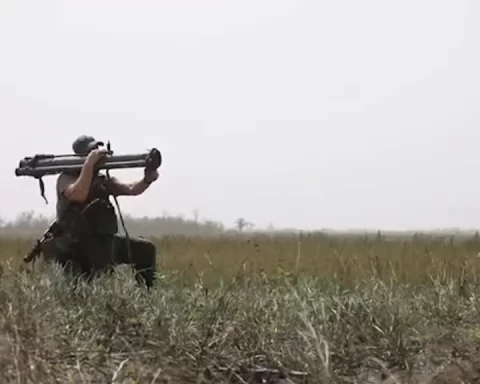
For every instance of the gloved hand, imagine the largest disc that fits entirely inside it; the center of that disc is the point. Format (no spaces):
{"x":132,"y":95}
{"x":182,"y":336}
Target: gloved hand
{"x":150,"y":175}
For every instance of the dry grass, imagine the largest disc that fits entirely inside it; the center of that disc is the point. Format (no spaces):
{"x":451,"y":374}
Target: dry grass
{"x":313,"y":309}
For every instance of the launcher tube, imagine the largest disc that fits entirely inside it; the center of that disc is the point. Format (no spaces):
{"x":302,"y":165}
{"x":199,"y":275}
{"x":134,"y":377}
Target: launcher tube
{"x":52,"y":170}
{"x":41,"y":165}
{"x":77,"y":160}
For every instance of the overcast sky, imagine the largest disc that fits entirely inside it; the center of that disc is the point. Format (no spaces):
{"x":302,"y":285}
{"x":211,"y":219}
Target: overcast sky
{"x":304,"y":114}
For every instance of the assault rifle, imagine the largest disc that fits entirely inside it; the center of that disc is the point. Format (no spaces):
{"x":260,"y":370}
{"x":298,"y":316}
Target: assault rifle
{"x":48,"y":164}
{"x":55,"y":228}
{"x":50,"y":233}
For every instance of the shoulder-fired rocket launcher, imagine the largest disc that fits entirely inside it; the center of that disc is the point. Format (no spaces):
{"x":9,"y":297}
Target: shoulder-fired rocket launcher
{"x":41,"y":165}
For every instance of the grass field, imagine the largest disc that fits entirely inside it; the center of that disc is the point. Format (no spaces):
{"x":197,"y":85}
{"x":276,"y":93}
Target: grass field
{"x":302,"y":309}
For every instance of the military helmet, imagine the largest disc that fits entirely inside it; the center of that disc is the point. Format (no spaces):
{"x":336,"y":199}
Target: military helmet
{"x":84,"y":144}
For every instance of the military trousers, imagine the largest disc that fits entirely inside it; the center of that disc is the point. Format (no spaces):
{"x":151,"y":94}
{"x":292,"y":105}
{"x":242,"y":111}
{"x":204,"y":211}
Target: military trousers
{"x":98,"y":253}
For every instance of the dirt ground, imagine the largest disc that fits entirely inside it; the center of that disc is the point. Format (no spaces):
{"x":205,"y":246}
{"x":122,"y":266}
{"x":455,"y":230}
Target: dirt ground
{"x":445,"y":362}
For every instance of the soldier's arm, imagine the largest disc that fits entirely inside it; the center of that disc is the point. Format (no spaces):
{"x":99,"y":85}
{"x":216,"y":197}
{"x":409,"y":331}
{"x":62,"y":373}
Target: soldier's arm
{"x":117,"y":188}
{"x":63,"y":182}
{"x":76,"y":189}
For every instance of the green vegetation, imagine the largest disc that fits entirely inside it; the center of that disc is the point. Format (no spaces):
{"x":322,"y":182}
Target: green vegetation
{"x":309,"y":308}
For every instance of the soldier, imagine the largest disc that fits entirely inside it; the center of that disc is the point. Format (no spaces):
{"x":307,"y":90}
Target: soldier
{"x":89,"y":242}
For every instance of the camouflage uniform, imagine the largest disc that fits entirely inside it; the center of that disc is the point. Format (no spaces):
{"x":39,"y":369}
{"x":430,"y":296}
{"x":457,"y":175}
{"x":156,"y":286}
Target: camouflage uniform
{"x":89,"y":242}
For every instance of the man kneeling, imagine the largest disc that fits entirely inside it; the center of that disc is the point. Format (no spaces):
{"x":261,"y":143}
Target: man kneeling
{"x":89,"y":242}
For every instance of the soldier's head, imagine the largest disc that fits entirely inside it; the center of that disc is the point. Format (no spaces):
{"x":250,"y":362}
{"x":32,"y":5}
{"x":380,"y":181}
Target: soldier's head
{"x":84,"y":144}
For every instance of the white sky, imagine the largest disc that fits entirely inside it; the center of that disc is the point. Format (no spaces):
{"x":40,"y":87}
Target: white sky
{"x":304,"y":114}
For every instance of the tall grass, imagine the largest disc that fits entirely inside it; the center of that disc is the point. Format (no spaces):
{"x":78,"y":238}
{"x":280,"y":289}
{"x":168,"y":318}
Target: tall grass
{"x":349,"y":259}
{"x":310,"y":308}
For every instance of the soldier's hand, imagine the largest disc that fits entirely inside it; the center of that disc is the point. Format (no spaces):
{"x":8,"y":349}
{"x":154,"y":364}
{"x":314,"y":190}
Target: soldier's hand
{"x":95,"y":155}
{"x":150,"y":175}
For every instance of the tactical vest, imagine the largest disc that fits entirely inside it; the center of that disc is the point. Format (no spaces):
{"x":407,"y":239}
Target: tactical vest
{"x":97,"y":214}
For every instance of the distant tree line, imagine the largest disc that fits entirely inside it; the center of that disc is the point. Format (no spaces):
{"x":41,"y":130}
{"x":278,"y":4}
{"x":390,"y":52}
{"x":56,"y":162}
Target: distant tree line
{"x":29,"y":223}
{"x":32,"y":223}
